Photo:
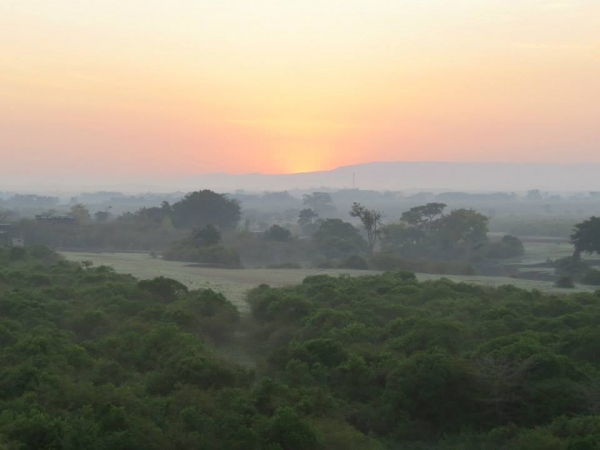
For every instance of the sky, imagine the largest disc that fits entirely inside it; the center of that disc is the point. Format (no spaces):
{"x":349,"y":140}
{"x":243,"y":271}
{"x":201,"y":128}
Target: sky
{"x":154,"y":88}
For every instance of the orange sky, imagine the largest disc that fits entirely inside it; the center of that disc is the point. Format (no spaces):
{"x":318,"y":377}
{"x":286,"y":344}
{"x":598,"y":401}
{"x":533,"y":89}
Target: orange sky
{"x":166,"y":88}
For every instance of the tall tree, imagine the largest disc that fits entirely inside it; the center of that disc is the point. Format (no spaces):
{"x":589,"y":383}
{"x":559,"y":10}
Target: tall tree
{"x":337,"y":239}
{"x":586,"y":236}
{"x":371,"y":220}
{"x":307,"y":217}
{"x":462,"y":229}
{"x":423,"y":216}
{"x":80,"y":213}
{"x":320,"y":202}
{"x":200,"y":208}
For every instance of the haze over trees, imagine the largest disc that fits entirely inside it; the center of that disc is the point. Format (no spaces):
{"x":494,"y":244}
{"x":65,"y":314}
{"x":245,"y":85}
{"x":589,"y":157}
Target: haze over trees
{"x":371,"y":221}
{"x":95,"y":359}
{"x":202,"y":208}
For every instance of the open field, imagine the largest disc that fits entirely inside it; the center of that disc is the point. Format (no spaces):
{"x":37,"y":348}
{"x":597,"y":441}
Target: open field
{"x":235,"y":283}
{"x":539,"y":252}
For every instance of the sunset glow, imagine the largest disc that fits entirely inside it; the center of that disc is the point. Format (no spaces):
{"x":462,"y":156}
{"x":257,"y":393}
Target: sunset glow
{"x":189,"y":87}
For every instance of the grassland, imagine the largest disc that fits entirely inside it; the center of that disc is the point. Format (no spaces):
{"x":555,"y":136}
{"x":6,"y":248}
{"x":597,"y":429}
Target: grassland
{"x":235,"y":283}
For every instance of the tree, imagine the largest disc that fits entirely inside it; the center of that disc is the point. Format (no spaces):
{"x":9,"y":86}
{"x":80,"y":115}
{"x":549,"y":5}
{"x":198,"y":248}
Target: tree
{"x":508,"y":247}
{"x":423,"y":216}
{"x":201,"y":208}
{"x":278,"y":233}
{"x":207,"y":236}
{"x":102,"y":216}
{"x":586,"y":237}
{"x":336,"y":239}
{"x":307,"y":217}
{"x":80,"y":213}
{"x":320,"y":202}
{"x":371,"y":220}
{"x":462,"y":229}
{"x":403,"y":240}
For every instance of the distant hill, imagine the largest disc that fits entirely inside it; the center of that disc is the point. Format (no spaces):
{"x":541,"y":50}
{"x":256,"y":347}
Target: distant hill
{"x":407,"y":176}
{"x":420,"y":175}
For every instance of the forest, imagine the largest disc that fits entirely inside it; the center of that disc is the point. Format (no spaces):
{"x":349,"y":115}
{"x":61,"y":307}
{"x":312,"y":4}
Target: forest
{"x":93,"y":359}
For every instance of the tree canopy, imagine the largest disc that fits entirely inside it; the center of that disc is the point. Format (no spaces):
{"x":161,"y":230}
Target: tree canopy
{"x":586,"y":236}
{"x":371,"y":220}
{"x":201,"y":208}
{"x":336,"y":239}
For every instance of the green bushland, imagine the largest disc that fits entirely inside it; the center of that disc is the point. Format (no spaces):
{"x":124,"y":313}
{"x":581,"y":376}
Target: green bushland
{"x":92,"y":359}
{"x":438,"y":364}
{"x":591,"y":277}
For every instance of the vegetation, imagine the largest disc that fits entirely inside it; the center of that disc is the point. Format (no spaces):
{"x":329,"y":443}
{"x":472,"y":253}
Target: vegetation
{"x":202,"y":208}
{"x":336,"y":239}
{"x":371,"y":221}
{"x":586,"y":236}
{"x":93,"y":359}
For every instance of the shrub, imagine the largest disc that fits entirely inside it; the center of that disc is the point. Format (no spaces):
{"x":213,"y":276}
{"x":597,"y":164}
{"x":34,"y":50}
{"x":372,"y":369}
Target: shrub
{"x":508,"y":247}
{"x":354,"y":262}
{"x":570,"y":266}
{"x":278,"y":233}
{"x":565,"y":282}
{"x":591,"y":277}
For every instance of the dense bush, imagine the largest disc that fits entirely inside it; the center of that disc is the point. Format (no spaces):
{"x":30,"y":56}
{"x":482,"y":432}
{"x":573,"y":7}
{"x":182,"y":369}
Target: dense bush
{"x":570,"y":266}
{"x":354,"y":262}
{"x":399,"y":356}
{"x":91,"y":359}
{"x":508,"y":247}
{"x":565,"y":282}
{"x":591,"y":277}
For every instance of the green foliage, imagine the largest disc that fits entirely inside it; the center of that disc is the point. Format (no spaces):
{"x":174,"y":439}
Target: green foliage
{"x":202,"y":247}
{"x":508,"y":247}
{"x":200,"y":208}
{"x":207,"y":236}
{"x":591,"y":277}
{"x":278,"y":233}
{"x":586,"y":236}
{"x":426,"y":232}
{"x":570,"y":266}
{"x":354,"y":262}
{"x":398,"y":356}
{"x":91,"y":359}
{"x":565,"y":281}
{"x":338,"y":239}
{"x":166,"y":289}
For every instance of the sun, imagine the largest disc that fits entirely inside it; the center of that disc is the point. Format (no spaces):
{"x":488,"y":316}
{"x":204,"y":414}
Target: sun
{"x":296,"y":158}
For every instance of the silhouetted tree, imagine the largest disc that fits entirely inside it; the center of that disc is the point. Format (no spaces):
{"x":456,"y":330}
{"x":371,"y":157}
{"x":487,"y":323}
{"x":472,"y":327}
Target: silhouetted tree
{"x":201,"y":208}
{"x":371,"y":220}
{"x":320,"y":202}
{"x":207,"y":236}
{"x":307,"y":217}
{"x":278,"y":233}
{"x":586,"y":237}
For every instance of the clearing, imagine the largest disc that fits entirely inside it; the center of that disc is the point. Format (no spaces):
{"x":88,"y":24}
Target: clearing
{"x":235,"y":283}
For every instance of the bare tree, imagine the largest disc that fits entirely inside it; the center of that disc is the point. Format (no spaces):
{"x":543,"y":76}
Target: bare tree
{"x":371,"y":220}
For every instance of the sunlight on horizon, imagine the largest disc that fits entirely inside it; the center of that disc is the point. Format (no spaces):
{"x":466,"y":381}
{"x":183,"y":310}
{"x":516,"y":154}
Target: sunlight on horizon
{"x":275,"y":87}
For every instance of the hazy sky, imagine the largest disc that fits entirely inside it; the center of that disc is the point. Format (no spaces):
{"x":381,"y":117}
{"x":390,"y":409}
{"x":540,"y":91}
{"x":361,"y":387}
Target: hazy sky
{"x":148,"y":87}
